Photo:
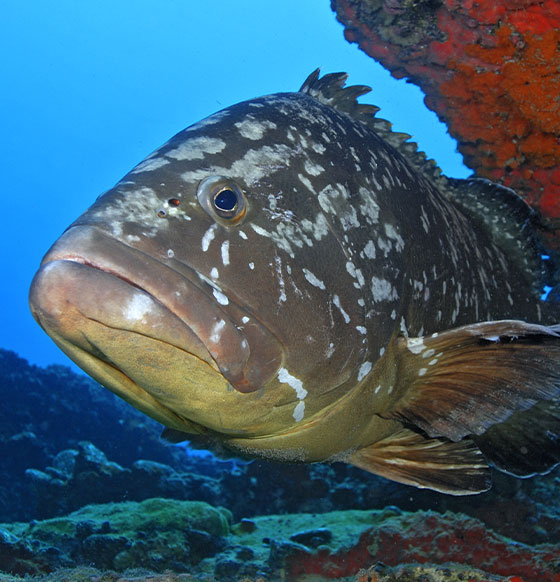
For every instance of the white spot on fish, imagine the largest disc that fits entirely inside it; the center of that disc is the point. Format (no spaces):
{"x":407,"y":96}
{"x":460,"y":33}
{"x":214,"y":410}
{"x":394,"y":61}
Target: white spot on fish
{"x":356,"y":273}
{"x":196,"y":148}
{"x":365,"y":369}
{"x":138,"y":206}
{"x":416,"y":345}
{"x":170,"y":253}
{"x":220,"y":297}
{"x":361,"y":329}
{"x":336,"y":301}
{"x":299,"y":411}
{"x":149,"y":165}
{"x":318,"y":229}
{"x":208,"y":237}
{"x":254,"y":130}
{"x":382,"y":290}
{"x":253,"y":166}
{"x":305,"y":181}
{"x":217,"y":331}
{"x":286,"y":378}
{"x":252,"y":266}
{"x":313,"y":169}
{"x":214,"y":273}
{"x":244,"y":319}
{"x":422,"y":371}
{"x":403,"y":327}
{"x":311,"y":278}
{"x":278,"y":265}
{"x":138,"y":307}
{"x":369,"y":250}
{"x":225,"y":253}
{"x":242,"y":235}
{"x":369,"y":207}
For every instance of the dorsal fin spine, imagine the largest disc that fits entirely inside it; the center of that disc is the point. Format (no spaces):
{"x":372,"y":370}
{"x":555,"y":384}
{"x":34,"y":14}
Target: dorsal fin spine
{"x":331,"y":91}
{"x":517,"y":217}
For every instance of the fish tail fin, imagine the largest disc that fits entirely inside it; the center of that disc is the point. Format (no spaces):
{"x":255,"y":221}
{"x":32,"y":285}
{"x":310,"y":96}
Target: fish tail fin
{"x":439,"y":464}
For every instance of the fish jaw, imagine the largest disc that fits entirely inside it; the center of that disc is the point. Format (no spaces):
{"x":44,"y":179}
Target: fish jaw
{"x":145,"y":331}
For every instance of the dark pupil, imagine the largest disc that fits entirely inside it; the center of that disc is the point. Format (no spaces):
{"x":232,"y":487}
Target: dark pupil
{"x":226,"y":200}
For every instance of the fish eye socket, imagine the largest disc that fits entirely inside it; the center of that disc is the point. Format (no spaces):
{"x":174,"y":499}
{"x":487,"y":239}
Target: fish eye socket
{"x":223,"y":199}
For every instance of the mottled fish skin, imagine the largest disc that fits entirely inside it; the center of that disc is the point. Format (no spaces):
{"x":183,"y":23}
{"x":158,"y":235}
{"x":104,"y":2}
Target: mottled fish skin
{"x":344,"y":248}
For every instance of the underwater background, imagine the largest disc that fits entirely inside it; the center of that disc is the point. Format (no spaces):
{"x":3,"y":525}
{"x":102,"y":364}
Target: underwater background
{"x":89,"y":490}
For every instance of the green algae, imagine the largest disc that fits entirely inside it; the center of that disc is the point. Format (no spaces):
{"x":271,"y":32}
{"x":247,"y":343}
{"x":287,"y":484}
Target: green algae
{"x":128,"y":518}
{"x":346,"y":527}
{"x":156,"y":533}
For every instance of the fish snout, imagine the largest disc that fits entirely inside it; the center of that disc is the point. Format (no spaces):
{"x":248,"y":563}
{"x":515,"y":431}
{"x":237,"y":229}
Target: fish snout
{"x":141,"y":326}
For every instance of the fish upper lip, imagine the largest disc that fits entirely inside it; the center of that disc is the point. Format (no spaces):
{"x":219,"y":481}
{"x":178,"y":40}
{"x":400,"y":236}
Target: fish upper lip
{"x":225,"y":342}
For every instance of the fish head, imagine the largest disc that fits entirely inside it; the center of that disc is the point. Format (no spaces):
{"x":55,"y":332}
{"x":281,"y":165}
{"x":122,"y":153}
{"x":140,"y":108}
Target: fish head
{"x":209,"y":287}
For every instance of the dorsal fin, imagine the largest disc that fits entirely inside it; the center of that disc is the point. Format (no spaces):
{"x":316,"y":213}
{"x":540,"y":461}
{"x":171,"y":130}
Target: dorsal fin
{"x":331,"y":91}
{"x":507,"y":218}
{"x":510,"y":222}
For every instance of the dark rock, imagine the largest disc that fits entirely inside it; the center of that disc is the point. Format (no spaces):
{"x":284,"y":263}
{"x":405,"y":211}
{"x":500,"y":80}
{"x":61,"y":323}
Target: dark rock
{"x":312,"y":538}
{"x":101,"y":549}
{"x":283,"y":551}
{"x":247,"y":525}
{"x":65,"y":462}
{"x":227,"y":568}
{"x":245,"y":554}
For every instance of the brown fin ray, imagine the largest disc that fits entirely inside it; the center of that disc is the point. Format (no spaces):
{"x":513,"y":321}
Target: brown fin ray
{"x":527,"y":443}
{"x":463,"y":381}
{"x":439,"y":464}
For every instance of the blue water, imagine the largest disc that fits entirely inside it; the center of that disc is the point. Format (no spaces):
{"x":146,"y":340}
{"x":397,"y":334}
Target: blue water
{"x":90,"y":89}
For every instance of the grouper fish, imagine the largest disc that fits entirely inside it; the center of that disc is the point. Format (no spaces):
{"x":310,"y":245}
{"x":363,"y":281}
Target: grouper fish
{"x":289,"y":279}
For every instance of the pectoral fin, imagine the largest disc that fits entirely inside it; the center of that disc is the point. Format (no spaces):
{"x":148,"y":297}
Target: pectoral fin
{"x":466,"y":380}
{"x":439,"y":464}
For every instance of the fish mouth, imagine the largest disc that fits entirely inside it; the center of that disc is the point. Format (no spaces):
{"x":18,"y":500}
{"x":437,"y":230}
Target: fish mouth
{"x":154,"y":334}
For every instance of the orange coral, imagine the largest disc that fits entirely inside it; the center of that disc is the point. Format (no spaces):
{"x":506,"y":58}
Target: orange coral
{"x":490,"y":69}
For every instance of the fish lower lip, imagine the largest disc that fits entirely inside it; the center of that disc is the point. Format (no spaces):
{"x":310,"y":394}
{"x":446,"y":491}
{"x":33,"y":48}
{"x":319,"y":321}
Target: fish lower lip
{"x":130,"y":361}
{"x":89,"y":276}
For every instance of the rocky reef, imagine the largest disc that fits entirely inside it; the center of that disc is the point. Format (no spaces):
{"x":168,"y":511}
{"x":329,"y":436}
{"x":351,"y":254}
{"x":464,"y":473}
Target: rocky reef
{"x":489,"y":69}
{"x":88,"y":483}
{"x":194,"y":537}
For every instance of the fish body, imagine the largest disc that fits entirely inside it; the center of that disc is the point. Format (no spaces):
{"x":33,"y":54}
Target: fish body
{"x":280,"y":279}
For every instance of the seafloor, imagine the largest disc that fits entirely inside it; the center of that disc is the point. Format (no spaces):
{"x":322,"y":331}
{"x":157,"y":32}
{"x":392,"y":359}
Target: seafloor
{"x":90,"y":493}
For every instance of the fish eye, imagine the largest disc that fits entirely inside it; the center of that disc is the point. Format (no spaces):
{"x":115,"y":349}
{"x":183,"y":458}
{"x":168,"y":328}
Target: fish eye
{"x":226,"y":201}
{"x":223,"y":199}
